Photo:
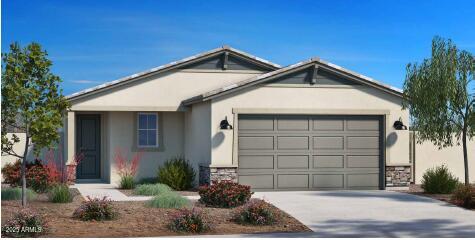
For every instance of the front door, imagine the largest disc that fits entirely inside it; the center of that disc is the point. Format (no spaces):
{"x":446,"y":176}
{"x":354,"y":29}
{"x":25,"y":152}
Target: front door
{"x":88,"y":143}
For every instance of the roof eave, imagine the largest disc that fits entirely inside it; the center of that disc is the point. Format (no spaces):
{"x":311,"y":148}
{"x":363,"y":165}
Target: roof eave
{"x":171,"y":66}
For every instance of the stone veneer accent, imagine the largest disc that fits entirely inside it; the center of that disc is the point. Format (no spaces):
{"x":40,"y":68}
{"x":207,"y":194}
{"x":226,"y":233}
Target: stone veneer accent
{"x":398,"y":176}
{"x":210,"y":174}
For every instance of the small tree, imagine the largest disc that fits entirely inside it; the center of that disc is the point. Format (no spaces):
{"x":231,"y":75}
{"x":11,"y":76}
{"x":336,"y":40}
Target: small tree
{"x":440,"y":96}
{"x":32,"y":102}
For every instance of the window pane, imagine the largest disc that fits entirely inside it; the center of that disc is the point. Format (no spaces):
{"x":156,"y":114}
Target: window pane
{"x":142,"y":121}
{"x":142,"y":137}
{"x":152,"y":121}
{"x":152,"y":137}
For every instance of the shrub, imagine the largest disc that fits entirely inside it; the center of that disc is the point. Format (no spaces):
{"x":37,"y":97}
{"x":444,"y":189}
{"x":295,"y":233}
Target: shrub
{"x":126,"y":169}
{"x":25,"y":223}
{"x":190,"y":221}
{"x":177,"y":173}
{"x":98,"y":209}
{"x":439,"y":180}
{"x":169,"y":200}
{"x":15,"y":194}
{"x":464,"y":196}
{"x":60,"y":194}
{"x":225,"y":194}
{"x":151,"y":189}
{"x":148,"y":180}
{"x":39,"y":177}
{"x":127,"y":182}
{"x":256,"y":212}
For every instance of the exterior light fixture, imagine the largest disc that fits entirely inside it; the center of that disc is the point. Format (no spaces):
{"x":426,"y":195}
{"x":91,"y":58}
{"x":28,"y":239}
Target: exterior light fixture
{"x":399,"y":125}
{"x":225,"y":124}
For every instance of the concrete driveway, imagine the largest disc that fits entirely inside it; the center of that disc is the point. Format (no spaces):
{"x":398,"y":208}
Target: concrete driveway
{"x":372,"y":214}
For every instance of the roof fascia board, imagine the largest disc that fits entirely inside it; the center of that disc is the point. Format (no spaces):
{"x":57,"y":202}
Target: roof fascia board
{"x":171,"y":66}
{"x":359,"y":79}
{"x":288,"y":70}
{"x":250,"y":82}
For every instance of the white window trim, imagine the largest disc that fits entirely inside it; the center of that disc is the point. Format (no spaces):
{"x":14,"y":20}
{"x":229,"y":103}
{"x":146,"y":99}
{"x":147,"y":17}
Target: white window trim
{"x":156,"y":130}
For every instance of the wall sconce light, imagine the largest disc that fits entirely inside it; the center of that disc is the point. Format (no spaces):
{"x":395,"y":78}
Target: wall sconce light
{"x":399,"y":125}
{"x":225,"y":124}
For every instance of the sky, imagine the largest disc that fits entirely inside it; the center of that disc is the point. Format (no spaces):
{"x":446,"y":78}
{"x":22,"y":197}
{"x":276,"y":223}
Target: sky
{"x":92,"y":42}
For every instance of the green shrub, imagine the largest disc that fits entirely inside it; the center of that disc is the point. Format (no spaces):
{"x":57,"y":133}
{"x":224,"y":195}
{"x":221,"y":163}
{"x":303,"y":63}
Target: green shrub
{"x":464,"y":196}
{"x":151,"y":189}
{"x":127,"y":182}
{"x":256,"y":212}
{"x":439,"y":180}
{"x":169,"y":200}
{"x":15,"y":194}
{"x":190,"y":221}
{"x":225,"y":194}
{"x":97,"y":209}
{"x":60,"y":194}
{"x":149,"y":180}
{"x":177,"y":173}
{"x":25,"y":223}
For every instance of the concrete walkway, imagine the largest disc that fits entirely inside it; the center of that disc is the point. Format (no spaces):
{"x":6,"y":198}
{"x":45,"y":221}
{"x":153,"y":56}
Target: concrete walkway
{"x":371,"y":214}
{"x":110,"y":190}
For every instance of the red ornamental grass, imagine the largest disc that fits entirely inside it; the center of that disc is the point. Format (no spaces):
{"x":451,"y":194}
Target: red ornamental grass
{"x":123,"y":165}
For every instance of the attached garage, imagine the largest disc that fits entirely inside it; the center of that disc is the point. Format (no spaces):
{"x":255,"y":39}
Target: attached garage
{"x":309,"y":126}
{"x":310,"y":152}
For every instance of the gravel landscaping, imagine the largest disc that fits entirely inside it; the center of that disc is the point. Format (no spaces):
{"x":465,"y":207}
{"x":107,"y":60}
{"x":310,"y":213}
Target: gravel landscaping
{"x":136,"y":220}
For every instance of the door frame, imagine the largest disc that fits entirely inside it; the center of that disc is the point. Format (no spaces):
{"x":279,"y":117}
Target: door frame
{"x":99,"y":142}
{"x":381,"y":114}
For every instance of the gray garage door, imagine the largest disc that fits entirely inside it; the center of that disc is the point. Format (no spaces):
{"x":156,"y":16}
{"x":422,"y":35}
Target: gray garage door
{"x":278,"y":152}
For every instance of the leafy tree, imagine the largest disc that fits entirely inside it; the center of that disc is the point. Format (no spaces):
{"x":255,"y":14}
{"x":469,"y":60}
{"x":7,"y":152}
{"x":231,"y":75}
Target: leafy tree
{"x":440,"y":95}
{"x":32,"y":102}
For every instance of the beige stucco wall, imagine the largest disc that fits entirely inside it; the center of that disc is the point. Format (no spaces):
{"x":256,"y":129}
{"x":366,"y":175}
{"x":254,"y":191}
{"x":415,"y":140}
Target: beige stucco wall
{"x":428,"y":155}
{"x":197,"y":135}
{"x":164,"y":91}
{"x":19,"y":148}
{"x":121,"y":129}
{"x":310,"y":100}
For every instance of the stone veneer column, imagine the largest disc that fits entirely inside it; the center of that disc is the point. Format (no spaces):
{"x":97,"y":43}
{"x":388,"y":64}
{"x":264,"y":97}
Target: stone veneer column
{"x":398,"y":176}
{"x":208,"y":175}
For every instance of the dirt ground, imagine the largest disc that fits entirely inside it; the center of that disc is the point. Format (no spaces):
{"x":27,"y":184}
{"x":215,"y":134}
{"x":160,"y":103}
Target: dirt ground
{"x":136,"y":220}
{"x":416,"y":189}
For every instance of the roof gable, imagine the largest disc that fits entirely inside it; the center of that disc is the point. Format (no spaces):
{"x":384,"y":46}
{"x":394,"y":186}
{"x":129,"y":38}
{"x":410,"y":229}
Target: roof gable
{"x":299,"y":72}
{"x":236,"y":60}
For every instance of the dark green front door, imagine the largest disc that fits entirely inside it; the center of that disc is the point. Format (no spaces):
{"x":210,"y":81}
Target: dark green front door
{"x":88,"y":143}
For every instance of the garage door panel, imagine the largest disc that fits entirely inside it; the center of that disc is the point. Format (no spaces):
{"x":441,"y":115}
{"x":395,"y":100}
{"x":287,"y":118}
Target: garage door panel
{"x":292,"y":162}
{"x":328,"y":161}
{"x":309,"y":152}
{"x":256,"y":123}
{"x":328,"y":124}
{"x":362,"y":161}
{"x":265,"y":181}
{"x":362,"y":180}
{"x":291,"y":143}
{"x":256,"y":161}
{"x":362,"y":124}
{"x":363,"y":142}
{"x":328,"y":142}
{"x":295,"y":124}
{"x":256,"y":142}
{"x":328,"y":181}
{"x":289,"y":181}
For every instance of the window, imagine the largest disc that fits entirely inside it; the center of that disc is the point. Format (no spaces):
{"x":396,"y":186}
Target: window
{"x":147,"y":130}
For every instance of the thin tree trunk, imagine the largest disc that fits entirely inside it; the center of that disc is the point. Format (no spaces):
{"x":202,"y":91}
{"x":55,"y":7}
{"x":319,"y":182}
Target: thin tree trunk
{"x":465,"y":156}
{"x":23,"y":172}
